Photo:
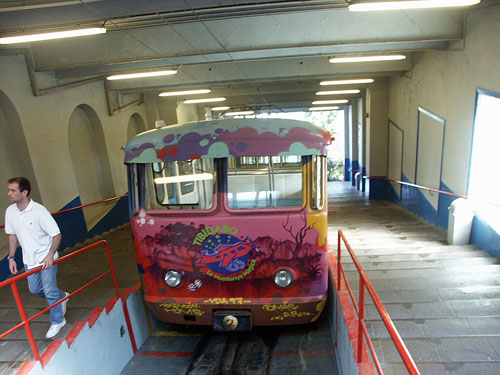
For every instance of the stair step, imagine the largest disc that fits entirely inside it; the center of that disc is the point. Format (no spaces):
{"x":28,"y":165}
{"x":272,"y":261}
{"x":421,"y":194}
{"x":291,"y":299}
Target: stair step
{"x":441,"y":327}
{"x":416,"y":256}
{"x":441,"y":309}
{"x":426,"y":272}
{"x":409,"y":250}
{"x":417,"y":283}
{"x":455,"y":350}
{"x":424,"y":263}
{"x":436,"y":295}
{"x":388,"y":245}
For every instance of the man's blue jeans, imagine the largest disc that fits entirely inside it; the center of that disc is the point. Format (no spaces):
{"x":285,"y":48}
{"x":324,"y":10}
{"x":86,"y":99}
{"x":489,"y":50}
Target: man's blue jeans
{"x":44,"y":284}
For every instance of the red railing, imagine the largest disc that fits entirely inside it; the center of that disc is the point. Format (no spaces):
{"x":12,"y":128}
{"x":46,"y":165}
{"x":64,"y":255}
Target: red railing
{"x":25,"y":320}
{"x":84,"y":205}
{"x":364,"y":282}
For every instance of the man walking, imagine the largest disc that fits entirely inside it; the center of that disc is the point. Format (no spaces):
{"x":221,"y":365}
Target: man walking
{"x":33,"y":227}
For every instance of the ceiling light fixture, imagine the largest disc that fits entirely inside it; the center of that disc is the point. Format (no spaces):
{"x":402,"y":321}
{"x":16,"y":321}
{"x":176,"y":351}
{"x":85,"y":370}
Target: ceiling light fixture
{"x":142,"y":74}
{"x":185,"y":92}
{"x":411,"y":4}
{"x":220,"y":108}
{"x":184,"y":178}
{"x":330,"y":108}
{"x":339,"y":101}
{"x":346,"y":82}
{"x":53,"y":35}
{"x":338,"y":92}
{"x":353,"y":59}
{"x":204,"y":100}
{"x":240,"y":113}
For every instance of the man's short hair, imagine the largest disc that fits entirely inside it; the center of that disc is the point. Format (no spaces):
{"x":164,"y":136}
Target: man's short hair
{"x":23,"y":182}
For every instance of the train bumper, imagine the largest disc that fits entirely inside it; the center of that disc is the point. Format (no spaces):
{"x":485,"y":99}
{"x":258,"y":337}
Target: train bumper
{"x":263,"y":313}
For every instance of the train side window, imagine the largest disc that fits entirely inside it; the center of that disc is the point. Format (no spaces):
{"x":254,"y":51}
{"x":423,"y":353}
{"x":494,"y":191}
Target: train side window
{"x":133,"y":187}
{"x":269,"y":182}
{"x":186,"y":184}
{"x":318,"y":173}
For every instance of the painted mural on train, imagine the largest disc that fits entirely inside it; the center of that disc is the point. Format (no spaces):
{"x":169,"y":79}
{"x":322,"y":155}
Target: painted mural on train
{"x":229,"y":219}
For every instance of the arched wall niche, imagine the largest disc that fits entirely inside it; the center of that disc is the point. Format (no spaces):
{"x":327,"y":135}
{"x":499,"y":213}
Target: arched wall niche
{"x":90,"y":162}
{"x":135,"y":126}
{"x":14,"y":156}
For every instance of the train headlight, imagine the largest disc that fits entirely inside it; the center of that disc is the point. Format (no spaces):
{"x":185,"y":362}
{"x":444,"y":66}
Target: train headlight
{"x":283,"y":278}
{"x":173,"y":278}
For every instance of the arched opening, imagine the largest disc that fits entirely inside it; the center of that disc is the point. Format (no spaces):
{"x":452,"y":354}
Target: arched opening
{"x":15,"y":156}
{"x":90,"y":162}
{"x":135,"y":126}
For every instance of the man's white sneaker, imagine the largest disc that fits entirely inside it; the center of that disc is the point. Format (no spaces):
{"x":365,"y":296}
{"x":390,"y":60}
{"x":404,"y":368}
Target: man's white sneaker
{"x":54,"y":329}
{"x":64,"y":303}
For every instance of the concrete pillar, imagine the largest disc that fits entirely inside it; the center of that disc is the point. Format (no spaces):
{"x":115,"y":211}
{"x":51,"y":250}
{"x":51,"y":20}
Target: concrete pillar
{"x":354,"y":151}
{"x":187,"y":113}
{"x":377,"y":135}
{"x":362,"y":139}
{"x":347,"y":143}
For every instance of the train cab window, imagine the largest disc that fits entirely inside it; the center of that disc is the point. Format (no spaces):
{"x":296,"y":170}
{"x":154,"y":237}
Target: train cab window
{"x":186,"y":184}
{"x":264,"y":182}
{"x":318,"y":170}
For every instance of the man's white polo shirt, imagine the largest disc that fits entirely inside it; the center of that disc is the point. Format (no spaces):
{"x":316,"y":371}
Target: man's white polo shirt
{"x":34,"y":227}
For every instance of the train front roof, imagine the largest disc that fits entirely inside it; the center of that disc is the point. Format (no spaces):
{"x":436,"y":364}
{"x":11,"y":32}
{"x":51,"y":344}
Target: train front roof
{"x":226,"y":138}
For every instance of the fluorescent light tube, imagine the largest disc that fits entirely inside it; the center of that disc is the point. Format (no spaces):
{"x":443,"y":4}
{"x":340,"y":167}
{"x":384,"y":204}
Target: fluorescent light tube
{"x":205,"y":100}
{"x":412,"y":4}
{"x":53,"y":35}
{"x":240,"y":113}
{"x":185,"y":92}
{"x":346,"y":82}
{"x":339,"y":101}
{"x":330,"y":108}
{"x":338,"y":92}
{"x":353,"y":59}
{"x":142,"y":74}
{"x":184,"y":178}
{"x":220,"y":108}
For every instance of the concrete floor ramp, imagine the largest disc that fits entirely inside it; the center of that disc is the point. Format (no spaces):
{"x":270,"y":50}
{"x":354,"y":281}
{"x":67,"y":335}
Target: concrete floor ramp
{"x":444,"y":300}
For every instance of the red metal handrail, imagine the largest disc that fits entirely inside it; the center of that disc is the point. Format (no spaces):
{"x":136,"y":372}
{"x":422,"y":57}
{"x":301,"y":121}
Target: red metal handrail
{"x":84,"y":205}
{"x":364,"y":282}
{"x":25,"y":320}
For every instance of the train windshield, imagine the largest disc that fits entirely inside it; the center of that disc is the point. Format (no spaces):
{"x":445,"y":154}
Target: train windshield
{"x":264,"y":181}
{"x":185,"y":184}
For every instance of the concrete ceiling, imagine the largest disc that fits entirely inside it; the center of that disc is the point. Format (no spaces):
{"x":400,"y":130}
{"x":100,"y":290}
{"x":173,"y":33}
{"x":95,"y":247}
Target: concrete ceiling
{"x":261,"y":53}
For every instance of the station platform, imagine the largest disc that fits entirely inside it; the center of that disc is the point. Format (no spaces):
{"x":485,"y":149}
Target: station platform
{"x":443,"y":300}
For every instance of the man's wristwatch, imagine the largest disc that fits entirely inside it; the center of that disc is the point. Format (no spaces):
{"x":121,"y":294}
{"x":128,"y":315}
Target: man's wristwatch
{"x":10,"y":257}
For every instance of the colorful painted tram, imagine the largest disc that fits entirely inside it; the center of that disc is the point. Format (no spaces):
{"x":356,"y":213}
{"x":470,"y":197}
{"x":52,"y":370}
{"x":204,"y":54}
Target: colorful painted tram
{"x":229,"y":219}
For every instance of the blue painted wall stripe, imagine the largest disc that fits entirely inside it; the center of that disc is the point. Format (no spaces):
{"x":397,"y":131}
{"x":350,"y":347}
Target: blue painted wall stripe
{"x":74,"y":229}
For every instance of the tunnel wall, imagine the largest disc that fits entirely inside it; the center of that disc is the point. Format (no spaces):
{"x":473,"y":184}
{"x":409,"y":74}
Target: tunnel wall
{"x":445,"y":83}
{"x":38,"y":127}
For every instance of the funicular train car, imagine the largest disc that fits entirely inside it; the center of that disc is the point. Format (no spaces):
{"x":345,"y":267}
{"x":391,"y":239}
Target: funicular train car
{"x":229,"y":219}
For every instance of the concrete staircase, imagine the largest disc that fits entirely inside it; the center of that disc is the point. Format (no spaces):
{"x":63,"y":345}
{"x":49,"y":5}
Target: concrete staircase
{"x":444,"y":300}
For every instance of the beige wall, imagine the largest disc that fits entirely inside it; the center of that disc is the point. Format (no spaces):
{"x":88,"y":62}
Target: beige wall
{"x":45,"y":121}
{"x":445,"y":84}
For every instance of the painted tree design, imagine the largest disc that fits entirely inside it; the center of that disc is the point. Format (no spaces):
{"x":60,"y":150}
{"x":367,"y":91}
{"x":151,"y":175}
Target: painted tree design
{"x":298,"y":235}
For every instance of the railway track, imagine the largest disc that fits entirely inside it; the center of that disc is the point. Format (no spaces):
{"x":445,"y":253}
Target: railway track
{"x":221,"y":353}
